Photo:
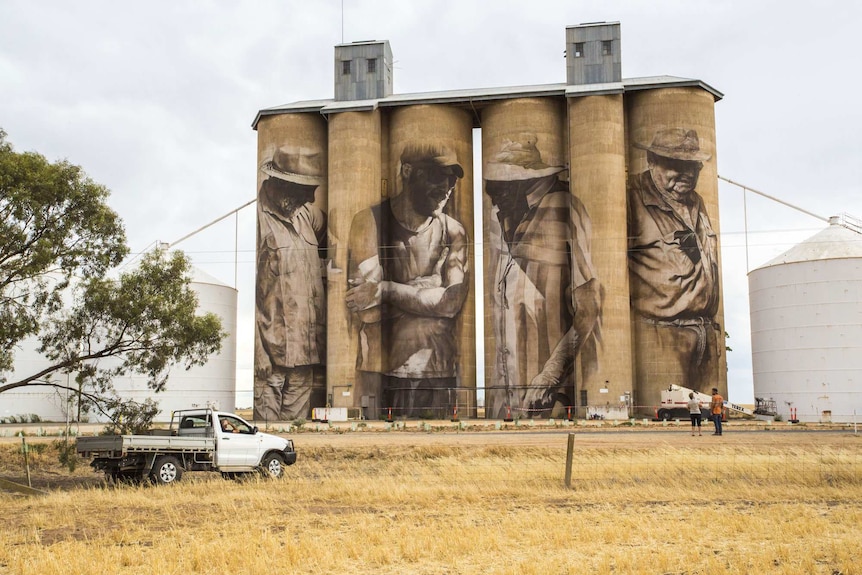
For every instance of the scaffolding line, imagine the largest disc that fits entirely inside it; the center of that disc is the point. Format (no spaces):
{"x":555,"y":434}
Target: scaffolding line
{"x":774,"y":199}
{"x":215,"y":221}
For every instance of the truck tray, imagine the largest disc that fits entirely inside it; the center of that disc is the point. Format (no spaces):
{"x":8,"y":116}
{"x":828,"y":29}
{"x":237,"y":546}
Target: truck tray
{"x":122,"y":444}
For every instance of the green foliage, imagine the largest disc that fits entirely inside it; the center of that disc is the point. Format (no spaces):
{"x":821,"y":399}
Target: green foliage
{"x":54,"y":224}
{"x":58,"y":239}
{"x":67,"y":455}
{"x":146,"y":321}
{"x":26,"y":418}
{"x":130,"y":417}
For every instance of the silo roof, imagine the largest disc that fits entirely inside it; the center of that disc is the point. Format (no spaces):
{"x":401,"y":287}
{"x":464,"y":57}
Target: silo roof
{"x":201,"y":277}
{"x":475,"y":95}
{"x":835,"y":242}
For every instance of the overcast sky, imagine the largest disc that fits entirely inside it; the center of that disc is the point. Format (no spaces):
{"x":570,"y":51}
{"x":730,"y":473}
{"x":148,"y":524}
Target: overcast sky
{"x":155,"y":100}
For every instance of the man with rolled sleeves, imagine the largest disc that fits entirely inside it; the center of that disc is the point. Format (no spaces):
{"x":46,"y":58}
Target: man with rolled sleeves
{"x":673,"y":267}
{"x":547,"y":301}
{"x":290,"y":302}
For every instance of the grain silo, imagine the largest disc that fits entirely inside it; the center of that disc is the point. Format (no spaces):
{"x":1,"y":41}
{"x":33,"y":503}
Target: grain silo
{"x":212,"y":384}
{"x":806,"y":326}
{"x":584,"y":311}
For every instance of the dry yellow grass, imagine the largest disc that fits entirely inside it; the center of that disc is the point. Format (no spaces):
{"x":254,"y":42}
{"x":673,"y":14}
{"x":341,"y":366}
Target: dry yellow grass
{"x":434,"y":508}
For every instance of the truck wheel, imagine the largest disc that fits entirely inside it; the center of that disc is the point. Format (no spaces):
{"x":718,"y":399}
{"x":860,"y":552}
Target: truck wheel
{"x":167,"y":469}
{"x":664,"y":414}
{"x":273,"y":465}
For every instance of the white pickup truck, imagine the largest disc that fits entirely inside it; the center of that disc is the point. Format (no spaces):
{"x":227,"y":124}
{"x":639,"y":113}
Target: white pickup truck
{"x":197,"y":440}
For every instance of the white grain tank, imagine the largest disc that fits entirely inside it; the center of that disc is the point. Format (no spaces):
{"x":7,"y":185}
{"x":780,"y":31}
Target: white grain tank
{"x":210,"y":385}
{"x":806,"y":326}
{"x":33,"y":402}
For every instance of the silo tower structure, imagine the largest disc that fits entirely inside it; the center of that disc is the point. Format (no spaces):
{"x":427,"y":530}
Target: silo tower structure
{"x":600,"y":289}
{"x":806,"y":326}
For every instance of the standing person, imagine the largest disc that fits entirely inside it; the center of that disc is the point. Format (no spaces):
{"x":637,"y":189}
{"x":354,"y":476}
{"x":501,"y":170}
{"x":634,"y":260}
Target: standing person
{"x":694,"y":412}
{"x":290,"y":303}
{"x":408,"y":276}
{"x":716,"y":410}
{"x":547,"y":302}
{"x":673,"y":266}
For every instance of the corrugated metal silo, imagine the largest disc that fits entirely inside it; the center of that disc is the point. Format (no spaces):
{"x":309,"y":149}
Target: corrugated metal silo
{"x":806,"y":327}
{"x":210,"y":385}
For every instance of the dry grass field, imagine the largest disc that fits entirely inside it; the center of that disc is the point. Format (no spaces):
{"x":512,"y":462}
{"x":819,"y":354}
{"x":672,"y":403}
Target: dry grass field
{"x":493,"y":502}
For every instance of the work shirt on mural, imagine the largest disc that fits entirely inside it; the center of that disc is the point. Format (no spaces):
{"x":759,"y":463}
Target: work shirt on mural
{"x":672,"y":255}
{"x":536,"y":272}
{"x":290,"y":300}
{"x":400,"y":343}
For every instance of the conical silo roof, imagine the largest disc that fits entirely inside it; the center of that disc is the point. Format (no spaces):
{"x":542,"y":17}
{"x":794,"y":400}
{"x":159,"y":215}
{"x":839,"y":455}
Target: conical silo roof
{"x":837,"y":241}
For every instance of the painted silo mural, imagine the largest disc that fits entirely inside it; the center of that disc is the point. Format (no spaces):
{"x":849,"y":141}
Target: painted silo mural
{"x":599,"y":234}
{"x":290,"y":301}
{"x":546,"y":297}
{"x":673,"y":265}
{"x":408,"y":279}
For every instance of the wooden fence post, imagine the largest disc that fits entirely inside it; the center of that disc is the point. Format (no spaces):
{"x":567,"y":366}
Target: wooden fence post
{"x":26,"y":452}
{"x":570,"y":450}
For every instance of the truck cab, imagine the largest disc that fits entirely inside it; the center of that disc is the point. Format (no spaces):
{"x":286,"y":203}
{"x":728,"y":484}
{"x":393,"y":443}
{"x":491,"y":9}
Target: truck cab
{"x":239,"y":446}
{"x":197,"y":440}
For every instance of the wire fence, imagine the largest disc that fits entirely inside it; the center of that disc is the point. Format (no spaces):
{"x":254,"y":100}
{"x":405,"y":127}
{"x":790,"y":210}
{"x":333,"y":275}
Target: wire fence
{"x":663,"y":468}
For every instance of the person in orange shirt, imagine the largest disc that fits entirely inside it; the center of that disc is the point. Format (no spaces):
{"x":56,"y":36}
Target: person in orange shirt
{"x":716,"y":408}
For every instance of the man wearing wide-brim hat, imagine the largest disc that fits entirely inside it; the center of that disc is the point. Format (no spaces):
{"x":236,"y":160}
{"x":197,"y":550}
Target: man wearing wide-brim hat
{"x":547,"y":301}
{"x":290,"y":336}
{"x":673,"y":267}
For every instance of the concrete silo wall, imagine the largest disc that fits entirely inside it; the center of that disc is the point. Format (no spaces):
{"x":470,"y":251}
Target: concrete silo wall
{"x":806,"y":329}
{"x":357,"y":146}
{"x":530,"y":222}
{"x":601,"y":253}
{"x":424,"y":252}
{"x":674,"y":267}
{"x":290,"y":298}
{"x":598,"y":176}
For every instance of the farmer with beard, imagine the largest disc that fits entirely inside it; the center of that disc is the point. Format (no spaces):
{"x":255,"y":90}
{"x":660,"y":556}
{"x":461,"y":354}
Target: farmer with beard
{"x":673,"y":266}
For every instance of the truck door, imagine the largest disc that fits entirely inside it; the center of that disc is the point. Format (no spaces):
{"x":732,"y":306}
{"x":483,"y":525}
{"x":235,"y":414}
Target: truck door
{"x":238,"y":445}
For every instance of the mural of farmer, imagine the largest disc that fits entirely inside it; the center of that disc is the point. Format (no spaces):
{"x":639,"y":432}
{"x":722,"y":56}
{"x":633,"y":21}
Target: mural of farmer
{"x":673,"y":267}
{"x":408,"y":276}
{"x":290,"y":303}
{"x":547,"y":300}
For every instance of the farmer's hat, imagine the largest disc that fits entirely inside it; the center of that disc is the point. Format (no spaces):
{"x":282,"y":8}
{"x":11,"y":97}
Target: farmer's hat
{"x":519,"y":160}
{"x":677,"y":144}
{"x":295,"y":164}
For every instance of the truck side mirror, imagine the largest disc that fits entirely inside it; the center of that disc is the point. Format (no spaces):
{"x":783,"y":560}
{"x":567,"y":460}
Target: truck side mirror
{"x":254,"y":430}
